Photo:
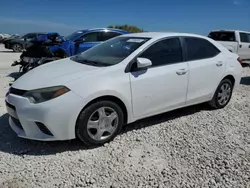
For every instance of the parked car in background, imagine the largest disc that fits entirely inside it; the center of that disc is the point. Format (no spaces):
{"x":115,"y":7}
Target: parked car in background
{"x":88,"y":38}
{"x":235,"y":41}
{"x":18,"y":44}
{"x":4,"y":37}
{"x":93,"y":94}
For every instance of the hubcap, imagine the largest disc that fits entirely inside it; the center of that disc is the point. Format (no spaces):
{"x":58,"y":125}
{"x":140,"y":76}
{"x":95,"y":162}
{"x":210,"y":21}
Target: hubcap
{"x":224,"y":94}
{"x":102,"y":123}
{"x":17,"y":47}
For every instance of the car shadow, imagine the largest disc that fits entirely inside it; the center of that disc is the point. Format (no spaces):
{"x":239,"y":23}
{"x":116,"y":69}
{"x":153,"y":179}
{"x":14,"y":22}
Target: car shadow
{"x":14,"y":75}
{"x":245,"y":80}
{"x":11,"y":143}
{"x":166,"y":117}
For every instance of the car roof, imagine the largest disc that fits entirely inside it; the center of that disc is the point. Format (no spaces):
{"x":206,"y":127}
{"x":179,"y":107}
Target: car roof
{"x":162,"y":34}
{"x":228,"y":30}
{"x":101,"y":29}
{"x":41,"y":33}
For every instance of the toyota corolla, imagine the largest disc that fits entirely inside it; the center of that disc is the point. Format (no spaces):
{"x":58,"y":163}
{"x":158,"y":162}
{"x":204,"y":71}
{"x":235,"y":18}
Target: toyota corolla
{"x":90,"y":96}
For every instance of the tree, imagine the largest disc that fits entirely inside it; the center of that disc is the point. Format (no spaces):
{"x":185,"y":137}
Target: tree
{"x":129,"y":28}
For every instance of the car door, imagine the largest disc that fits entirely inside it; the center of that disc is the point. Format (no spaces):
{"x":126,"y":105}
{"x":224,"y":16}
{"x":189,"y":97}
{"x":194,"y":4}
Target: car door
{"x":206,"y":68}
{"x":162,"y":86}
{"x":90,"y":40}
{"x":244,"y":46}
{"x":27,"y":38}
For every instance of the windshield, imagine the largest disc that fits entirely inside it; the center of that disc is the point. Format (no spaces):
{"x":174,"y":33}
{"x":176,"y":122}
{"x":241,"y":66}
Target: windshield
{"x":73,"y":36}
{"x":110,"y":52}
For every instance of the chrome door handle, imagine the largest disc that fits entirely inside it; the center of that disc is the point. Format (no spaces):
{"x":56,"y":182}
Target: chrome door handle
{"x":181,"y":72}
{"x":219,"y":64}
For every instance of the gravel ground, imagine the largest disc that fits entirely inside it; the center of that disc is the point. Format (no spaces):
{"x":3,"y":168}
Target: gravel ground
{"x":191,"y":147}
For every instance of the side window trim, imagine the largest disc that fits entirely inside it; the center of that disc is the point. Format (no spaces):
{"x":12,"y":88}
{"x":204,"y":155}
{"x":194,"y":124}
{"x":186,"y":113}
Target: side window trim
{"x":129,"y":65}
{"x":186,"y":52}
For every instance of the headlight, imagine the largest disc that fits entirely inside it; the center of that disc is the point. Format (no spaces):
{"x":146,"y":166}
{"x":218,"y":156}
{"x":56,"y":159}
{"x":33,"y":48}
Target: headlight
{"x":45,"y":94}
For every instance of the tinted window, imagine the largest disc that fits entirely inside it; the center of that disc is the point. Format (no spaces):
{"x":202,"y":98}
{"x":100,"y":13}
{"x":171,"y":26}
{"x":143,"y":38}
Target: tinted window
{"x":91,"y":37}
{"x":108,"y":35}
{"x":164,"y":52}
{"x":74,"y":35}
{"x":198,"y":48}
{"x":30,"y":35}
{"x":245,"y":37}
{"x":222,"y":36}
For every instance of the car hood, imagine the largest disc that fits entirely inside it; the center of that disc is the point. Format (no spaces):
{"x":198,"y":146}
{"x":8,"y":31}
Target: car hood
{"x":55,"y":73}
{"x":13,"y":39}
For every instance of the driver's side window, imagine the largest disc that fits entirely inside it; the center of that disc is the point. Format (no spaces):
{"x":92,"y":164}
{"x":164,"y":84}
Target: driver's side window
{"x":167,"y":51}
{"x":30,"y":36}
{"x":91,"y":37}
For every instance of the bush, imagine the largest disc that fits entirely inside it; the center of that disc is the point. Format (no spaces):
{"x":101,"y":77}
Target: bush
{"x":129,"y":28}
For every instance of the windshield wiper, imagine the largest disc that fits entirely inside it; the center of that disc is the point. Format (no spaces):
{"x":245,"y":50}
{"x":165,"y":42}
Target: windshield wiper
{"x":89,"y":62}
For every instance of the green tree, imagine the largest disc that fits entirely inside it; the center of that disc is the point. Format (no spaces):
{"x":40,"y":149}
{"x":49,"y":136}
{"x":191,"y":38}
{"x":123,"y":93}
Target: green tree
{"x":129,"y":28}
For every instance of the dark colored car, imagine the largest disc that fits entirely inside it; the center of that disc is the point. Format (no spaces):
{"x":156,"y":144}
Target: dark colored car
{"x":88,"y":38}
{"x":19,"y":43}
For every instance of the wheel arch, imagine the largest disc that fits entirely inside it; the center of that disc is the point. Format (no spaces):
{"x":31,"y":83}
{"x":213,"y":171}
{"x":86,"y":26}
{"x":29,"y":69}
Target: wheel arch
{"x":112,"y":98}
{"x":230,"y":77}
{"x":227,"y":76}
{"x":15,"y":42}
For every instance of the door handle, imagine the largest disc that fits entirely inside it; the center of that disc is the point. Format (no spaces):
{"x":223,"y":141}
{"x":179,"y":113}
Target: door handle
{"x":181,"y":72}
{"x":219,"y":64}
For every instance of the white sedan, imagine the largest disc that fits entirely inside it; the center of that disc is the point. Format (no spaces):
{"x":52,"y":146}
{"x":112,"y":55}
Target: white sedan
{"x":90,"y":96}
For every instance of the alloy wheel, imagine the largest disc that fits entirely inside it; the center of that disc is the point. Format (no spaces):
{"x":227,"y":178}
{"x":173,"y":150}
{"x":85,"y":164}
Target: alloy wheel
{"x":102,"y":123}
{"x":224,"y":94}
{"x":17,"y":48}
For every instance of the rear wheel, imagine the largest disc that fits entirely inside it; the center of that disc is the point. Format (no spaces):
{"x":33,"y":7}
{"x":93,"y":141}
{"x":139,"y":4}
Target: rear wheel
{"x":17,"y":47}
{"x":99,"y":123}
{"x":222,"y":94}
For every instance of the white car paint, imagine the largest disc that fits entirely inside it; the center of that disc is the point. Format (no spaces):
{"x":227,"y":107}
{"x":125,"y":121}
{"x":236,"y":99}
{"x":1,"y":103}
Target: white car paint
{"x":144,"y":93}
{"x":242,"y":48}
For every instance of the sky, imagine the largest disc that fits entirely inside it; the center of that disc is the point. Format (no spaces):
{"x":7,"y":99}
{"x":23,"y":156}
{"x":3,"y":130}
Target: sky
{"x":67,"y":16}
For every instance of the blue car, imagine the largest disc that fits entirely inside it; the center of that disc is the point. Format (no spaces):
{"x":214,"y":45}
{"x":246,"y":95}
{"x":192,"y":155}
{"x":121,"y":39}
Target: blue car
{"x":85,"y":39}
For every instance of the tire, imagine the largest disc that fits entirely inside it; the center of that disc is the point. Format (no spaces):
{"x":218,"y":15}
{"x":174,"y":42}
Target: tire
{"x":217,"y":101}
{"x":17,"y":47}
{"x":89,"y":133}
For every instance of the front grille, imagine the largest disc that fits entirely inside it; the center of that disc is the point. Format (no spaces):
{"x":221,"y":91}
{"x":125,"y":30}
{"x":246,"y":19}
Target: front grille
{"x":43,"y":128}
{"x":17,"y":122}
{"x":15,"y":91}
{"x":10,"y":105}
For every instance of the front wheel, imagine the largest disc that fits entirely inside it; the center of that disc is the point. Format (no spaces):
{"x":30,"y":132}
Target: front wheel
{"x":17,"y":47}
{"x":99,"y":123}
{"x":222,"y":94}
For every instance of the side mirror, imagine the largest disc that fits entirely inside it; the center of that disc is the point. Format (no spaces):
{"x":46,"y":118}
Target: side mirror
{"x":143,"y":62}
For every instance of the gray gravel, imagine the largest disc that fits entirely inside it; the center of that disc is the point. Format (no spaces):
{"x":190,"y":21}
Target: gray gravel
{"x":191,"y":147}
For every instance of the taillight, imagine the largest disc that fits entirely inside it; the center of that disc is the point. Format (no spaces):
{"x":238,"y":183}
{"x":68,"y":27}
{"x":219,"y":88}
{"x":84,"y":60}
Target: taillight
{"x":239,"y":60}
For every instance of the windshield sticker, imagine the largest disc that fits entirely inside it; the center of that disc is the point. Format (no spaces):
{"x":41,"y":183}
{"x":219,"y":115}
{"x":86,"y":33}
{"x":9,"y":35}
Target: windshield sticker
{"x":136,"y":40}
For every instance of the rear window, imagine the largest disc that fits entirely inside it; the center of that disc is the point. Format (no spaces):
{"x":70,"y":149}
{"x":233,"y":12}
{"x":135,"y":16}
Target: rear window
{"x":198,"y":48}
{"x":222,"y":36}
{"x":245,"y":37}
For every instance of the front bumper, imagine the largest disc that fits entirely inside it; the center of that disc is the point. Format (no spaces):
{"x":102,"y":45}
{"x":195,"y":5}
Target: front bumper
{"x":7,"y":46}
{"x":47,"y":121}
